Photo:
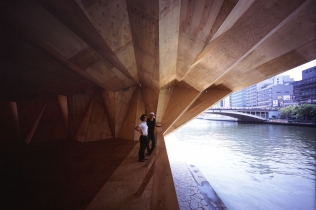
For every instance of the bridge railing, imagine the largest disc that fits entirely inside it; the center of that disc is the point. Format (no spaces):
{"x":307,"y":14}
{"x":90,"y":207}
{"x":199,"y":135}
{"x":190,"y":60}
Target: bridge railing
{"x":258,"y":112}
{"x":245,"y":108}
{"x":225,"y":112}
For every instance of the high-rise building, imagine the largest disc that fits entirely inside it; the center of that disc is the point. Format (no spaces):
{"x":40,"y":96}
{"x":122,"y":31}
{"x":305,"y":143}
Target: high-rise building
{"x":238,"y":99}
{"x":225,"y":103}
{"x":251,"y":96}
{"x":305,"y":90}
{"x":275,"y":96}
{"x":309,"y":73}
{"x":275,"y":91}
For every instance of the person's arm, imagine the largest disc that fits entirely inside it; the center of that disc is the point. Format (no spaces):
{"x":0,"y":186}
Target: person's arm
{"x":137,"y":128}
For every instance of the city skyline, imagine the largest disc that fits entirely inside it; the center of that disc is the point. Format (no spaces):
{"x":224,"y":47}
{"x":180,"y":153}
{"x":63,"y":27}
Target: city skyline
{"x":296,"y":73}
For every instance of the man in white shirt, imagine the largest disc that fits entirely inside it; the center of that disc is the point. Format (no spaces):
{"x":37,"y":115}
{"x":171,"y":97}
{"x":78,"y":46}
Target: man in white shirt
{"x":143,"y":129}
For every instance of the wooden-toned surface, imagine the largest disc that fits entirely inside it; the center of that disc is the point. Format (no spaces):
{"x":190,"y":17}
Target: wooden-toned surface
{"x":77,"y":106}
{"x":150,"y":97}
{"x":52,"y":118}
{"x":211,"y":95}
{"x":51,"y":125}
{"x":125,"y":189}
{"x":135,"y":110}
{"x":178,"y":104}
{"x":197,"y":19}
{"x":122,"y":103}
{"x":109,"y":103}
{"x":57,"y":175}
{"x":70,"y":14}
{"x":35,"y":124}
{"x":99,"y":65}
{"x":119,"y":192}
{"x":29,"y":111}
{"x":62,"y":100}
{"x":265,"y":52}
{"x":168,"y":44}
{"x":65,"y":47}
{"x":164,"y":97}
{"x":94,"y":123}
{"x":163,"y":192}
{"x":118,"y":36}
{"x":223,"y":48}
{"x":231,"y":11}
{"x":145,"y":32}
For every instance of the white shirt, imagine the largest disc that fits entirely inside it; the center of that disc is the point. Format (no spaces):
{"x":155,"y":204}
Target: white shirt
{"x":143,"y":126}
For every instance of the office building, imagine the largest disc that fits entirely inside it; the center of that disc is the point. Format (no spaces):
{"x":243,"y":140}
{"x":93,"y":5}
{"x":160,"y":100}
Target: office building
{"x":305,"y":90}
{"x":275,"y":96}
{"x":238,"y":99}
{"x":275,"y":91}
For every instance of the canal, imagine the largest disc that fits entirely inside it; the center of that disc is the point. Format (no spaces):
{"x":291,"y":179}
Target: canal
{"x":251,"y":166}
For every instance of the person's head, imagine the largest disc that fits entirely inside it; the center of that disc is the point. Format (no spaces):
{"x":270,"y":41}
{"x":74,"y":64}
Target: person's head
{"x":143,"y":117}
{"x":151,"y":115}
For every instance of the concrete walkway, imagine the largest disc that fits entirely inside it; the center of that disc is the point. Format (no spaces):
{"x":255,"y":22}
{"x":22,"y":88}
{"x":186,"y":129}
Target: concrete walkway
{"x":193,"y":190}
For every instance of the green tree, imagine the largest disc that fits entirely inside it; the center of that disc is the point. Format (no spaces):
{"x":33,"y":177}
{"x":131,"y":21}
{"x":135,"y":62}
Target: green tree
{"x":286,"y":112}
{"x":306,"y":111}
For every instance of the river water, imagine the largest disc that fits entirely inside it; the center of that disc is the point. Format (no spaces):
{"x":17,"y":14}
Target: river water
{"x":251,"y":166}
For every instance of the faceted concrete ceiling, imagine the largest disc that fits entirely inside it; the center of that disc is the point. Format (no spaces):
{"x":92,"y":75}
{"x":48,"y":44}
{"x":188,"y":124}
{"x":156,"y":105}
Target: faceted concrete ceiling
{"x":176,"y":58}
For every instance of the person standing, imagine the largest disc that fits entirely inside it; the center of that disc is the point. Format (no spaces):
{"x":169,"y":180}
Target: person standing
{"x":151,"y":121}
{"x":143,"y":129}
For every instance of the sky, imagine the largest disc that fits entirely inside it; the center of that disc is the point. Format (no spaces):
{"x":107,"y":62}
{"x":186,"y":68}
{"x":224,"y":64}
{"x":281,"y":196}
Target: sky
{"x":296,"y":73}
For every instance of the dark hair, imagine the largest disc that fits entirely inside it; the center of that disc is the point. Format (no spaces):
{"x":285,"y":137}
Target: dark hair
{"x":142,"y":117}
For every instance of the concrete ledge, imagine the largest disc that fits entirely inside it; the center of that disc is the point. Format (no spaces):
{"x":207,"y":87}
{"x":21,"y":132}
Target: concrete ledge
{"x":193,"y":190}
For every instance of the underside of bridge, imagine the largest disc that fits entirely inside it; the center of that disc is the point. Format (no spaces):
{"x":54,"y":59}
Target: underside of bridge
{"x":85,"y":70}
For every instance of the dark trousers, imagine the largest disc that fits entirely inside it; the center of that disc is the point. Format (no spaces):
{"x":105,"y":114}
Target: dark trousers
{"x":151,"y":137}
{"x":142,"y":147}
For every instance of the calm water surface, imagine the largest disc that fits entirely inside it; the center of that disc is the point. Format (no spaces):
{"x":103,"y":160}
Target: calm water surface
{"x":251,"y":166}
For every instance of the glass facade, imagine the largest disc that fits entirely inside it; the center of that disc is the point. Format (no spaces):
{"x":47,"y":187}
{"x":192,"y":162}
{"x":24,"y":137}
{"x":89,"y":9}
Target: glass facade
{"x":238,"y":99}
{"x":305,"y":90}
{"x":264,"y":94}
{"x":278,"y":91}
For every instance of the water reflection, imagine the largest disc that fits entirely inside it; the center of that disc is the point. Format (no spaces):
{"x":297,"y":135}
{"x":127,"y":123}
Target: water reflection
{"x":251,"y":166}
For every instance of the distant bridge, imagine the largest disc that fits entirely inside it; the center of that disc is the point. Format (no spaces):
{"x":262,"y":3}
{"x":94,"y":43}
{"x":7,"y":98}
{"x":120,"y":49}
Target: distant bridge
{"x":245,"y":114}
